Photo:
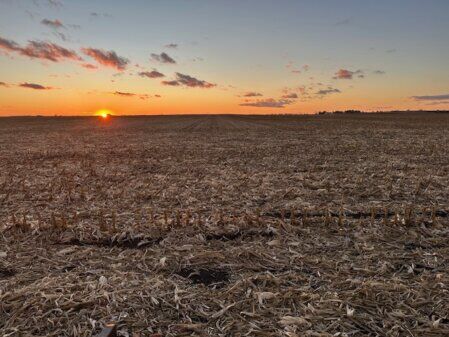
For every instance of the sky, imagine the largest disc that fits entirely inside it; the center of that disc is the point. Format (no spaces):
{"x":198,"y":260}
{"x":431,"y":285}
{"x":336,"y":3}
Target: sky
{"x":77,"y":57}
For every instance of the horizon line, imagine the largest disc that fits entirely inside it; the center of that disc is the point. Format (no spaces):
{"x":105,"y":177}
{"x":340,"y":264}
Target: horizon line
{"x":335,"y":112}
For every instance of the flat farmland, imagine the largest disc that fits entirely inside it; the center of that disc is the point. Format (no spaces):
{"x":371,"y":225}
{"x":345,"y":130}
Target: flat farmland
{"x":329,"y":225}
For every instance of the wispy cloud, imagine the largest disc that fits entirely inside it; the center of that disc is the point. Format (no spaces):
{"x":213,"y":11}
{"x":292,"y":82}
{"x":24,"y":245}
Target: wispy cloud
{"x":296,"y":70}
{"x":151,"y":74}
{"x":438,"y":103}
{"x":188,"y":81}
{"x":107,"y":58}
{"x":55,"y":24}
{"x":55,"y":3}
{"x":345,"y":74}
{"x":303,"y":90}
{"x":49,"y":3}
{"x":379,"y":72}
{"x":3,"y":84}
{"x":292,"y":95}
{"x":291,"y":66}
{"x":172,"y":83}
{"x":126,"y":94}
{"x":62,"y":36}
{"x":130,"y":94}
{"x":269,"y":103}
{"x":163,"y":58}
{"x":344,"y":22}
{"x":96,"y":15}
{"x":328,"y":91}
{"x":193,"y":82}
{"x":89,"y":66}
{"x":252,"y":94}
{"x":74,"y":26}
{"x":48,"y":51}
{"x":40,"y":50}
{"x":171,"y":45}
{"x":431,"y":97}
{"x":34,"y":86}
{"x":9,"y":45}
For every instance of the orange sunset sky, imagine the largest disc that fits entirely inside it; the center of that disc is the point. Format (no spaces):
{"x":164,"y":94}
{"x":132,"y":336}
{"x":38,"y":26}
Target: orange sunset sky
{"x":255,"y":56}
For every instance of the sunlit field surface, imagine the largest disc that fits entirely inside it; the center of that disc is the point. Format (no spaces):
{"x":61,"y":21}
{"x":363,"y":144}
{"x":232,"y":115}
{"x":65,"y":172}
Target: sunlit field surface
{"x":332,"y":225}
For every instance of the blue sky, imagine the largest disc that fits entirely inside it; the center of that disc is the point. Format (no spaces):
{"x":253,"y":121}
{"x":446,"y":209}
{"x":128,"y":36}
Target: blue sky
{"x":330,"y":54}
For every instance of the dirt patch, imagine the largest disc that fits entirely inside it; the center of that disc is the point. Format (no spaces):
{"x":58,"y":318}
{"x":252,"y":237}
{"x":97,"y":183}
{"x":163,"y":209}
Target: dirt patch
{"x":6,"y":272}
{"x":230,"y":236}
{"x":206,"y":276}
{"x":131,"y":243}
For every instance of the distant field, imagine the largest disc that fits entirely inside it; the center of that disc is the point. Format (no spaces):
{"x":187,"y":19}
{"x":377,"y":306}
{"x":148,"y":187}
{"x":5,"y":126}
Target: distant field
{"x":333,"y":225}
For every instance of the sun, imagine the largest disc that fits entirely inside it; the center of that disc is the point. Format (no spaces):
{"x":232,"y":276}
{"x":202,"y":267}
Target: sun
{"x":104,"y":113}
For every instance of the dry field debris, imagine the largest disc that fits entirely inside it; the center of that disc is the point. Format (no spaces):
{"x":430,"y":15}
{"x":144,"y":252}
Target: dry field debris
{"x":225,"y":225}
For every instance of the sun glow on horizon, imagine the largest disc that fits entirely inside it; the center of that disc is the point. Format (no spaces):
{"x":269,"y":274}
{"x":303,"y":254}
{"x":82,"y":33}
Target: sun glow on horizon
{"x":104,"y":113}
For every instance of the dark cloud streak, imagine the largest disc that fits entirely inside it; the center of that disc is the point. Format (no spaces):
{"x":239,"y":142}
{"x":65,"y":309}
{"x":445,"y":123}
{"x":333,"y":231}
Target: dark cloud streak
{"x":34,"y":86}
{"x":151,"y":74}
{"x":40,"y":50}
{"x":55,"y":24}
{"x":9,"y":45}
{"x":188,"y":81}
{"x":345,"y":74}
{"x":172,"y":83}
{"x":431,"y":97}
{"x":48,"y":51}
{"x":126,"y":94}
{"x":130,"y":94}
{"x":107,"y":58}
{"x":163,"y":58}
{"x":328,"y":91}
{"x":252,"y":94}
{"x":89,"y":66}
{"x":290,"y":96}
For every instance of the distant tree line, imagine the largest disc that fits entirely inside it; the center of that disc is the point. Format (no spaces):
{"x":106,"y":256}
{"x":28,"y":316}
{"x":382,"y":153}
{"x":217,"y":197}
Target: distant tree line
{"x":363,"y":112}
{"x":341,"y":112}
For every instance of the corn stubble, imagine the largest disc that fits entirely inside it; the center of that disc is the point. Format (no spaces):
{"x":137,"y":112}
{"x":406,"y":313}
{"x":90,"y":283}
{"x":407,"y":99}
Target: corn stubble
{"x":225,"y":226}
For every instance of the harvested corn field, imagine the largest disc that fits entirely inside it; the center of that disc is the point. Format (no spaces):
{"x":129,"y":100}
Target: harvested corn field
{"x":333,"y":225}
